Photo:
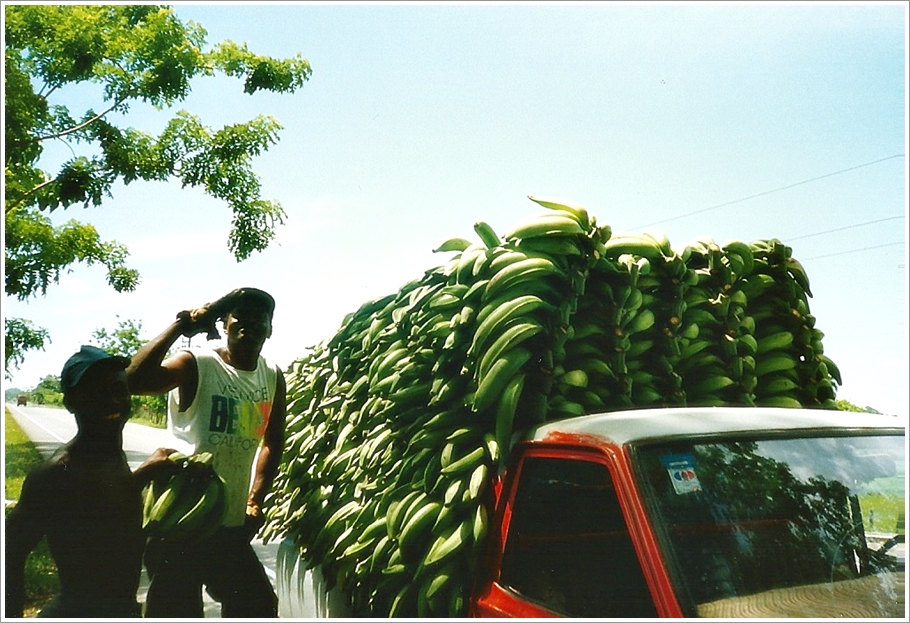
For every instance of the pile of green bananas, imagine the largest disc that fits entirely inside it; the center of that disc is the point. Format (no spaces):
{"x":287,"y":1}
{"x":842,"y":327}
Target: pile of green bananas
{"x":188,"y":504}
{"x":398,"y":424}
{"x":791,"y":368}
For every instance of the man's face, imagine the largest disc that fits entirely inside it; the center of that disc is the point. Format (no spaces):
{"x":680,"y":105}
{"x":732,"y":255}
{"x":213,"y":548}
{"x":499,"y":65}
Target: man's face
{"x":249,"y":326}
{"x":102,"y":396}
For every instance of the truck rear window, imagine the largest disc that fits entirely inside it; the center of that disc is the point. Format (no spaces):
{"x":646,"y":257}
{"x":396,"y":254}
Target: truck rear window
{"x":805,"y":527}
{"x":568,"y":547}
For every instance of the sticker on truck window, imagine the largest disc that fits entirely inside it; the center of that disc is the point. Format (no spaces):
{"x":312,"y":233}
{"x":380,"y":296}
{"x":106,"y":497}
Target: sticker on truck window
{"x":681,"y":469}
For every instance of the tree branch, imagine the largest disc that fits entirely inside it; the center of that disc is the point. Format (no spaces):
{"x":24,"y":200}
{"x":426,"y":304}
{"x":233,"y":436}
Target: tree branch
{"x":84,"y":124}
{"x":9,"y":207}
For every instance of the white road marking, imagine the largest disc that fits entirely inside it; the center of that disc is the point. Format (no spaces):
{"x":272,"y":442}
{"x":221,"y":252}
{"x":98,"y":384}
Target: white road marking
{"x":35,"y":422}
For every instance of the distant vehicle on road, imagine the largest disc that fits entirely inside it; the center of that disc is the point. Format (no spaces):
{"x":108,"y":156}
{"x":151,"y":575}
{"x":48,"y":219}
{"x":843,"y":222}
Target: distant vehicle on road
{"x":22,"y":400}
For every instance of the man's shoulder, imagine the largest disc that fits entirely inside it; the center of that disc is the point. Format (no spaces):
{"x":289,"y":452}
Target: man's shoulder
{"x":48,"y":473}
{"x":273,"y":369}
{"x":183,"y":357}
{"x":199,"y":356}
{"x":202,"y":353}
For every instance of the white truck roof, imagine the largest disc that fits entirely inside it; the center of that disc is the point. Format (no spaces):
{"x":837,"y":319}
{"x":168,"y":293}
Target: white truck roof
{"x":632,"y":425}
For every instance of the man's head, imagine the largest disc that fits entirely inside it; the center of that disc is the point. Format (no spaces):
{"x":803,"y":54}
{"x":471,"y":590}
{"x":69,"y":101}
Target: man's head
{"x":252,"y":298}
{"x":248,"y":319}
{"x":94,"y":385}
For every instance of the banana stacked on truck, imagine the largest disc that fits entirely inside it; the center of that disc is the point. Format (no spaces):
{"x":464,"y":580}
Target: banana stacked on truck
{"x":627,"y":327}
{"x":397,"y":425}
{"x":189,"y":504}
{"x":791,"y":367}
{"x":716,"y":362}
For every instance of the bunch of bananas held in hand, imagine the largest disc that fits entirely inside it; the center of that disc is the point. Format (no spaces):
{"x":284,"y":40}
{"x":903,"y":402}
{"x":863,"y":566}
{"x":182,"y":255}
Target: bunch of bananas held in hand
{"x":189,"y":505}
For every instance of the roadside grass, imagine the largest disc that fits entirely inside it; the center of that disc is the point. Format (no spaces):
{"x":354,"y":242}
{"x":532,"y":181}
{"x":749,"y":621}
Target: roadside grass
{"x":885,"y":497}
{"x":147,"y":418}
{"x":41,"y":581}
{"x":888,"y":512}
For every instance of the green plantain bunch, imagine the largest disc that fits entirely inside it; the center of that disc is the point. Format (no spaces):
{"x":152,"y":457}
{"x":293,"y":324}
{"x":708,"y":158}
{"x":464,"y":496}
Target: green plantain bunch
{"x":399,"y":424}
{"x":187,"y":505}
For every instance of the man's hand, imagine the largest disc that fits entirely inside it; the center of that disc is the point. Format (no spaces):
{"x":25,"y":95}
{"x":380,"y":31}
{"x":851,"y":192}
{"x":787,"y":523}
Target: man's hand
{"x":203,"y":319}
{"x":199,"y":320}
{"x":157,"y":465}
{"x":254,"y":519}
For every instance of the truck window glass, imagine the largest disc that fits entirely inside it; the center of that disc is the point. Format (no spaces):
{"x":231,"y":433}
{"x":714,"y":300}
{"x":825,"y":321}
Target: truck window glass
{"x":809,"y":527}
{"x":568,"y":547}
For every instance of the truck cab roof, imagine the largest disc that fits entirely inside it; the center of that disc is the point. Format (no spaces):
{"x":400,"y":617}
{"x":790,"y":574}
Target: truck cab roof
{"x":637,"y":425}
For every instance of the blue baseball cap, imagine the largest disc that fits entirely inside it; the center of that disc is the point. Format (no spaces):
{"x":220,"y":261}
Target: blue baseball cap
{"x":77,"y":365}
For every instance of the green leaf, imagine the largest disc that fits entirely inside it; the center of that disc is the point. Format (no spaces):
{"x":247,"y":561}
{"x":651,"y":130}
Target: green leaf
{"x":135,"y":55}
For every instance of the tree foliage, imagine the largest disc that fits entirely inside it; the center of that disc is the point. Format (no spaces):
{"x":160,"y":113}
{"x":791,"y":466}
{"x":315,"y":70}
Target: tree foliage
{"x":844,"y":405}
{"x":124,"y":341}
{"x":47,"y":392}
{"x":21,"y":335}
{"x":130,"y":55}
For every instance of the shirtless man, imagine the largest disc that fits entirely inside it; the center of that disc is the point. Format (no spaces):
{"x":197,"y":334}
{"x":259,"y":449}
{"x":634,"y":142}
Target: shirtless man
{"x":86,"y":501}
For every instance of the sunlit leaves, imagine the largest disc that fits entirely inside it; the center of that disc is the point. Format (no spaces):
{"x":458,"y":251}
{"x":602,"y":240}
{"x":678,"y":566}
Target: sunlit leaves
{"x":24,"y":111}
{"x":261,"y":72}
{"x":131,"y":55}
{"x":37,"y":253}
{"x":21,"y":336}
{"x":124,"y":341}
{"x":253,"y":228}
{"x":139,"y":54}
{"x":241,"y":140}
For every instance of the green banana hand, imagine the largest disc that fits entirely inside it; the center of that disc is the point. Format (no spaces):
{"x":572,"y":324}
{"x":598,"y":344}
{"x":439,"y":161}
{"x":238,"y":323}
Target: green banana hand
{"x":500,"y":373}
{"x":547,"y":224}
{"x":560,"y":204}
{"x":487,"y":235}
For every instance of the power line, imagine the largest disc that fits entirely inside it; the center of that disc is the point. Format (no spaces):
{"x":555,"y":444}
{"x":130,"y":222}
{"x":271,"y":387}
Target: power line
{"x":880,"y":246}
{"x":889,"y":218}
{"x":774,"y":190}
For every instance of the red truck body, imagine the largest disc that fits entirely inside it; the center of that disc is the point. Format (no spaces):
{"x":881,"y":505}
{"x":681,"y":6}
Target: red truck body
{"x":681,"y":513}
{"x":492,"y":600}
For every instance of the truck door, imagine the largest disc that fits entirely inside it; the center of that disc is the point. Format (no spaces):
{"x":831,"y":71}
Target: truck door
{"x":561,"y":545}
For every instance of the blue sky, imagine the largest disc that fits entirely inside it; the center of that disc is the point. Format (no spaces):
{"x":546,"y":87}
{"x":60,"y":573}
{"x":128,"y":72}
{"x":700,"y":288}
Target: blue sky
{"x":420,"y":119}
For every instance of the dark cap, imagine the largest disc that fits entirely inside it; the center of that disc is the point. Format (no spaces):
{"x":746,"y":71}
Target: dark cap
{"x":77,"y":365}
{"x":253,"y":297}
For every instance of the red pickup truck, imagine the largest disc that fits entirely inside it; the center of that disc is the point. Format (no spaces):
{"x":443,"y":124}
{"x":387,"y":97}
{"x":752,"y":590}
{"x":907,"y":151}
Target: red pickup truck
{"x":694,"y":512}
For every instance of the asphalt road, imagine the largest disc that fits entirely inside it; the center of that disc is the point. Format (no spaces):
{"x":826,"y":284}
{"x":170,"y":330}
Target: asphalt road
{"x":50,"y":427}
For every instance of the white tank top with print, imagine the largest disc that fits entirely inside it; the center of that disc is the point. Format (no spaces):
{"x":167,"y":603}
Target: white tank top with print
{"x":227,"y":417}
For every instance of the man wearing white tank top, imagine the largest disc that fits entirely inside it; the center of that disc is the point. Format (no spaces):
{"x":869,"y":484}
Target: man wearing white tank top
{"x":228,"y":401}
